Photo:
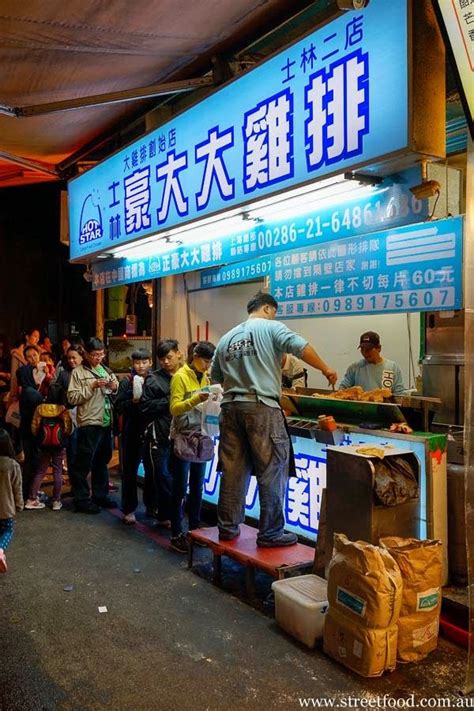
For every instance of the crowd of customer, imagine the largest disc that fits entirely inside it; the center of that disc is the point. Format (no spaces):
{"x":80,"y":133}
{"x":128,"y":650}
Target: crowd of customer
{"x":64,"y":412}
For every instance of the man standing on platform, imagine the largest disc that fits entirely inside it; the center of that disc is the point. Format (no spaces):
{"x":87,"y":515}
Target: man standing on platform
{"x":253,"y":434}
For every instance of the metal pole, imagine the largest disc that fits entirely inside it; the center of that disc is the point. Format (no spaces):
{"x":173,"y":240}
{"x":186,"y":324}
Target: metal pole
{"x":468,"y":399}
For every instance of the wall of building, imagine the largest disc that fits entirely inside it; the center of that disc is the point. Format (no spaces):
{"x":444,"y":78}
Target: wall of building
{"x":335,"y":338}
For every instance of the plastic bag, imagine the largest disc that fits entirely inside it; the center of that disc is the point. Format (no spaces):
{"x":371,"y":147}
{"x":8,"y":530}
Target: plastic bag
{"x":12,"y":416}
{"x":395,"y":482}
{"x":210,"y":411}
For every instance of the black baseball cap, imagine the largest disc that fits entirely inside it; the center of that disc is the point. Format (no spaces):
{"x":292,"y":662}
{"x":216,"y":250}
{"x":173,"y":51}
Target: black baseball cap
{"x":369,"y":338}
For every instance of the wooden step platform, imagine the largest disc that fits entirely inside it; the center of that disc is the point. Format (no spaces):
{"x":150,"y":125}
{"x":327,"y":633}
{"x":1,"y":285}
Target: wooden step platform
{"x":276,"y":562}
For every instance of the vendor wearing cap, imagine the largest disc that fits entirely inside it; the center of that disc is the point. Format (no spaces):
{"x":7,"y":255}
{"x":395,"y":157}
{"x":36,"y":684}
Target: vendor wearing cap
{"x":373,"y":371}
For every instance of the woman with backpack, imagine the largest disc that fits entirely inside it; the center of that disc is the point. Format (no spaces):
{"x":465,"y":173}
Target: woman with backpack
{"x":51,"y":425}
{"x":58,"y":394}
{"x":11,"y":497}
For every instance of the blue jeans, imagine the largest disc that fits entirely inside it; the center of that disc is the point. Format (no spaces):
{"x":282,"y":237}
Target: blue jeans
{"x":253,"y":440}
{"x":181,"y":471}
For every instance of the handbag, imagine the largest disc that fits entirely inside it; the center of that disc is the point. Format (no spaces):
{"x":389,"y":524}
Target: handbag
{"x":193,"y":446}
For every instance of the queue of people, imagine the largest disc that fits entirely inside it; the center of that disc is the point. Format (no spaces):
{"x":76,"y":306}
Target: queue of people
{"x":74,"y":408}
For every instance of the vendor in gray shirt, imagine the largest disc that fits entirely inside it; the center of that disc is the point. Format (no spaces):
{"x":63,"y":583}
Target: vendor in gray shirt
{"x":253,"y":435}
{"x":373,"y":371}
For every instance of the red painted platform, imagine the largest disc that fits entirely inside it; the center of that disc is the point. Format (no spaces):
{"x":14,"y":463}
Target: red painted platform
{"x":274,"y":561}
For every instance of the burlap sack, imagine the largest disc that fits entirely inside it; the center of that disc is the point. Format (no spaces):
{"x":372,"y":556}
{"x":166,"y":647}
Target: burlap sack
{"x":364,"y":583}
{"x":417,"y":636}
{"x":421,"y":566}
{"x":368,"y":652}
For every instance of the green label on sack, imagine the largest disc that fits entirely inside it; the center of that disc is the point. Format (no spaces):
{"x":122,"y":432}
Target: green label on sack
{"x":351,"y":602}
{"x":427,"y":600}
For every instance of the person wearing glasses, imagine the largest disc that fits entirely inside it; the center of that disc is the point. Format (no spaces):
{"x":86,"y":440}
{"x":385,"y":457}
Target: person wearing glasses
{"x":373,"y":370}
{"x":91,"y":389}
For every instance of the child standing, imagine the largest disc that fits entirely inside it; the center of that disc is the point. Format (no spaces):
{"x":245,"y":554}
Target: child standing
{"x":51,"y":425}
{"x":11,"y":497}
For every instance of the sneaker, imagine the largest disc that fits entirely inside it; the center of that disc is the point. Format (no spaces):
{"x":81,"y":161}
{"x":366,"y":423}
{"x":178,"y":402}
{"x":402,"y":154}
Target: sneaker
{"x":129,"y":519}
{"x":106,"y":503}
{"x":32,"y":504}
{"x":57,"y":506}
{"x":286,"y":539}
{"x":3,"y":561}
{"x":179,"y":543}
{"x":87,"y":507}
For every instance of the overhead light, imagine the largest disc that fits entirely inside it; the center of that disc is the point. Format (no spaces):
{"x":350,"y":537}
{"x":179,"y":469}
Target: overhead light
{"x":427,"y":188}
{"x":301,"y":200}
{"x":307,"y":198}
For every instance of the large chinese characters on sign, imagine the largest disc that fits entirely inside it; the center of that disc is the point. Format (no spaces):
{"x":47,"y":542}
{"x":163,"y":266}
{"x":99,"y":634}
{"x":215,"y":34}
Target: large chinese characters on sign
{"x":320,"y":107}
{"x":304,"y":491}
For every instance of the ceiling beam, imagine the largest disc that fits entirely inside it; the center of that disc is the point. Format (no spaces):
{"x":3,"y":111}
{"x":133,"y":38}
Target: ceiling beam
{"x":115,"y":97}
{"x":31,"y":164}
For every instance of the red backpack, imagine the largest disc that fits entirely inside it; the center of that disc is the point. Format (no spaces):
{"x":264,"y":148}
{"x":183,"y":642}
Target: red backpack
{"x":51,"y":425}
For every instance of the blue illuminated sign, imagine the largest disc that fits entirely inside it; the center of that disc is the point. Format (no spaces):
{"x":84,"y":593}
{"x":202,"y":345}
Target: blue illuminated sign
{"x":322,"y":106}
{"x":387,"y":205}
{"x":415,"y":268}
{"x":303,"y":494}
{"x":236,"y":273}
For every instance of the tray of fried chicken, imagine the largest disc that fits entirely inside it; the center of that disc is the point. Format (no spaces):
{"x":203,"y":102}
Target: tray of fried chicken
{"x":357,"y":394}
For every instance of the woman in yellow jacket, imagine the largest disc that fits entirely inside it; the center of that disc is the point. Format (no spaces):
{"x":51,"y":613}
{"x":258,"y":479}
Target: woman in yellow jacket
{"x":186,"y":394}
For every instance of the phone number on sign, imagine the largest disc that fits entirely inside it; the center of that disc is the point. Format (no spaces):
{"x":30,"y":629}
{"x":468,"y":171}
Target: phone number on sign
{"x":343,"y":223}
{"x":245,"y":272}
{"x":400,"y":301}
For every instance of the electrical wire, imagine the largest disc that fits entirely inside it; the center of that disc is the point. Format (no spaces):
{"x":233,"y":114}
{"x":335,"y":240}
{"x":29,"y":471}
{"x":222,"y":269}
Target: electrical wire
{"x":411,"y":361}
{"x":430,"y":217}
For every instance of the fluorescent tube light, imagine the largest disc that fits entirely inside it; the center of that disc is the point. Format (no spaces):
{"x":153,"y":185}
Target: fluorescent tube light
{"x":306,"y":198}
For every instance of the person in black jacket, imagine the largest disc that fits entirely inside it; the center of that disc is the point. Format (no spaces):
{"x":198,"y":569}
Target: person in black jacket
{"x":155,"y":403}
{"x":134,"y":423}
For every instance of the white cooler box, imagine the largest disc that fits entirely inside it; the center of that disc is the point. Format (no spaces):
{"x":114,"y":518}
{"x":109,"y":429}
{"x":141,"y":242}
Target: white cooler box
{"x":301,"y":604}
